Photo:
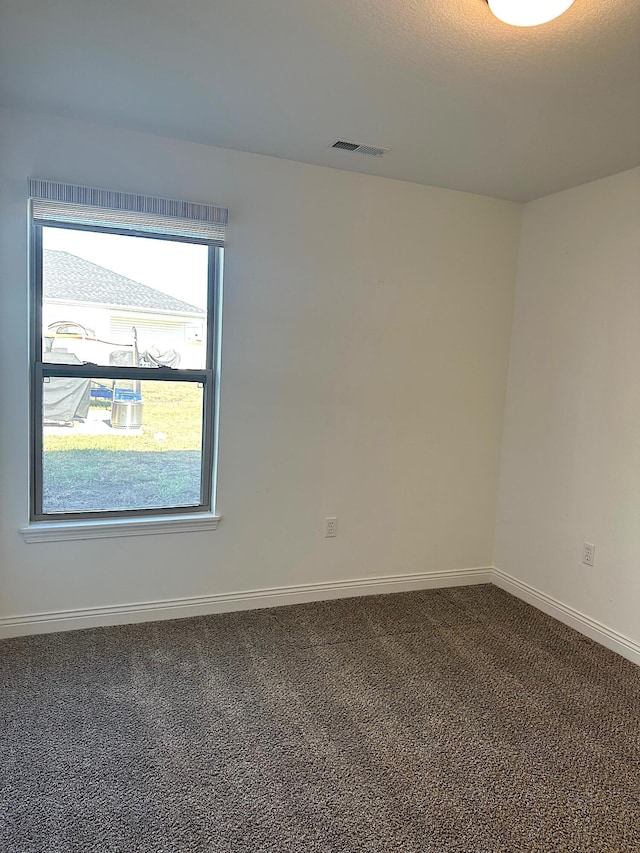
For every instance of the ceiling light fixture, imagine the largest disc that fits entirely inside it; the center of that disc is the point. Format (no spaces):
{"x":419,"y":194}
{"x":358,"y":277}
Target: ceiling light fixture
{"x":528,"y":13}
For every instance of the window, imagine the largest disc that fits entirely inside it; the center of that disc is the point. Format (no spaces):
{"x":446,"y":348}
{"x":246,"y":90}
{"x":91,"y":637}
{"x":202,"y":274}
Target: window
{"x":126,"y":298}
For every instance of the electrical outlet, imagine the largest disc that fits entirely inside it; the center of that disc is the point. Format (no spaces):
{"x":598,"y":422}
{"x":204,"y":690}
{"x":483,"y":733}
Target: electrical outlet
{"x":588,"y":553}
{"x":330,"y":528}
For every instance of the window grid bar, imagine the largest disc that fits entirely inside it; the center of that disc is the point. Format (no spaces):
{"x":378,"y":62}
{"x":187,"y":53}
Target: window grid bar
{"x":108,"y":371}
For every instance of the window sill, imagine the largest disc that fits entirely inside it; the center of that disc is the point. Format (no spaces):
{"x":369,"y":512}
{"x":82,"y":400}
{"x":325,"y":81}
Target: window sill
{"x":64,"y":531}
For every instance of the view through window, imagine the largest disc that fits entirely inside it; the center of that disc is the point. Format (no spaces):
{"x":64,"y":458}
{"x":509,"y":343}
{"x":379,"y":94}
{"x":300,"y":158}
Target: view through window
{"x":123,"y":373}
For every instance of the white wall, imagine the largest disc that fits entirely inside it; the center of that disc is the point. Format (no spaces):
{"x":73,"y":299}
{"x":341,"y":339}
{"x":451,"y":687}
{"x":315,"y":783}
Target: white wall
{"x":367,"y":327}
{"x":570,"y":466}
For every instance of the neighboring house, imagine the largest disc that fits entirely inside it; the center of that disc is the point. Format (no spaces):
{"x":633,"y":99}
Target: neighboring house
{"x":108,"y":306}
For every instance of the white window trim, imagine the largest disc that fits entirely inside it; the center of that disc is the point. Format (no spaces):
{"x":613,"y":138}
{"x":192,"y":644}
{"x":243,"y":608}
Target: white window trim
{"x":65,"y":531}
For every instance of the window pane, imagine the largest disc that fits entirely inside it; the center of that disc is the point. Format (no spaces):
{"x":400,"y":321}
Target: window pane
{"x":114,"y":445}
{"x":113,"y":299}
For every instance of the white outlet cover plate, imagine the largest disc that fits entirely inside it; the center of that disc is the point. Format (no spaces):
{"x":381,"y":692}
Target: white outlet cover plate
{"x":588,"y":553}
{"x":330,"y":527}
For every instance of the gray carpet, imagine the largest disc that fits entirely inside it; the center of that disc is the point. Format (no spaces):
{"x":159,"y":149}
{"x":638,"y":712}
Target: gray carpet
{"x":447,"y":721}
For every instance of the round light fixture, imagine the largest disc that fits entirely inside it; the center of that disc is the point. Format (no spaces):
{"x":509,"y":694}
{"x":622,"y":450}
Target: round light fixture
{"x":528,"y":13}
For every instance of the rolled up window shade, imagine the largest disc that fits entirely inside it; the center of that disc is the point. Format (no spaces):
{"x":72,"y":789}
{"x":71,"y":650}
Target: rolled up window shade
{"x":52,"y":201}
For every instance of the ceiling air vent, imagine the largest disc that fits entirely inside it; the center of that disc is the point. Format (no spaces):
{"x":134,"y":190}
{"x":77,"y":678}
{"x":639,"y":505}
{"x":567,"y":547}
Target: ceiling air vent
{"x":371,"y":150}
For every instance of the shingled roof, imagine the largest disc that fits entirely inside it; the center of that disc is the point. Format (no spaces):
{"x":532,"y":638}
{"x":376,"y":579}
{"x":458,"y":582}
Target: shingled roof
{"x":68,"y":277}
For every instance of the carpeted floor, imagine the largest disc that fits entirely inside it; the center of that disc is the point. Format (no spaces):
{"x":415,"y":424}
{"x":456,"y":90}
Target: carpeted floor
{"x":447,"y":721}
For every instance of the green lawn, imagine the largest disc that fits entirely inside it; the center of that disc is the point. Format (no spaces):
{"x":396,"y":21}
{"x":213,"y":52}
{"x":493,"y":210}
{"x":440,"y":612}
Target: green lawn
{"x":172,"y":410}
{"x":93,"y":480}
{"x":155,"y":468}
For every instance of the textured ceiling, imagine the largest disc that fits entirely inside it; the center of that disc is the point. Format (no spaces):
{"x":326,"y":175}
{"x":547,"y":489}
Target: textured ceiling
{"x":463,"y":100}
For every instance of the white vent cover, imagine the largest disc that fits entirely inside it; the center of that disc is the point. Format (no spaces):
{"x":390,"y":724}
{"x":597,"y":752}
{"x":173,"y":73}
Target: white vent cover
{"x":359,"y":148}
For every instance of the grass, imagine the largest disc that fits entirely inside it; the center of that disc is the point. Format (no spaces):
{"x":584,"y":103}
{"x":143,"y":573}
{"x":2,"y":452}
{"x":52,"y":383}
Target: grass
{"x":158,"y":467}
{"x":93,"y":480}
{"x":172,"y":420}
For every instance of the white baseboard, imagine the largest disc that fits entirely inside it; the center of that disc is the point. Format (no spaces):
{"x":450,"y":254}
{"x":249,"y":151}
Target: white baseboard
{"x":607,"y":637}
{"x":177,"y":608}
{"x":148,"y":611}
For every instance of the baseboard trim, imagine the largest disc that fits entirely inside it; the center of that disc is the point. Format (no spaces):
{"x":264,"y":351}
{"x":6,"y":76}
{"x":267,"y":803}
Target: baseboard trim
{"x":591,"y":628}
{"x":177,"y":608}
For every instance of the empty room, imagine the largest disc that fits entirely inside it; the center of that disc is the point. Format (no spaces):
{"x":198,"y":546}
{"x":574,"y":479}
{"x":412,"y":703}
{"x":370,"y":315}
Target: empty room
{"x":320,"y":426}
